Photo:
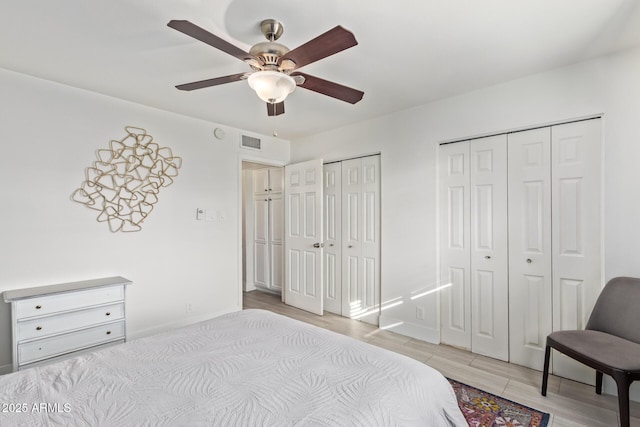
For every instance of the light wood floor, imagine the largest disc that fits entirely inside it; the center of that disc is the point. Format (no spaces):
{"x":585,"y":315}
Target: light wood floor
{"x":569,"y":403}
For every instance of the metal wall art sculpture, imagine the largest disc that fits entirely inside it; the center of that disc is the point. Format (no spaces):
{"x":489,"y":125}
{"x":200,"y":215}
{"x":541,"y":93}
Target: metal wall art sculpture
{"x":123,"y":184}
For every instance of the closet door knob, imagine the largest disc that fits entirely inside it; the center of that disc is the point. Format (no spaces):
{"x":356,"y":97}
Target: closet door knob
{"x":108,"y":332}
{"x":350,"y":246}
{"x":487,"y":257}
{"x":529,"y":261}
{"x":38,"y":328}
{"x":331,"y":244}
{"x":38,"y":307}
{"x":318,"y":245}
{"x":108,"y":313}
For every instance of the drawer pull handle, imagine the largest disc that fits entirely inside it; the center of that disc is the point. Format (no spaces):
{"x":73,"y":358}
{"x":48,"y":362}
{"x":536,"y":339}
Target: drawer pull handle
{"x":108,"y":332}
{"x":108,"y":313}
{"x":38,"y":328}
{"x":38,"y":307}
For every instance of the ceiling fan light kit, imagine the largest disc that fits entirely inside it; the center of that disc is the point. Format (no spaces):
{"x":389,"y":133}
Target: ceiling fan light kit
{"x":274,"y":66}
{"x":271,"y":86}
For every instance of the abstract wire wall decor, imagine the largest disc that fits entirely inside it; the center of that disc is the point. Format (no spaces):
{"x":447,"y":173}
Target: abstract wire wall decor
{"x":123,"y":184}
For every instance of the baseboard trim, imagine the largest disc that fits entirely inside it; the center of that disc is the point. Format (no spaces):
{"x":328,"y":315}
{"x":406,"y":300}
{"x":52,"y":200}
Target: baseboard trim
{"x":248,"y":286}
{"x":270,"y":291}
{"x":412,"y":330}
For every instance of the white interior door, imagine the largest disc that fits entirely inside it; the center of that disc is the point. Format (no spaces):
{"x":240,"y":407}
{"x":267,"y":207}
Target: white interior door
{"x":361,"y":239}
{"x":576,"y":199}
{"x":370,"y":244}
{"x":261,"y":270}
{"x":276,"y":248}
{"x":303,"y":236}
{"x":530,"y":280}
{"x":333,"y":237}
{"x":489,"y":252}
{"x":455,"y":308}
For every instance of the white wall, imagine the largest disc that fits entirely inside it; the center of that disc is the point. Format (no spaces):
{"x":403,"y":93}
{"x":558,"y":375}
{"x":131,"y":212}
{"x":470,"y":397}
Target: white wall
{"x":49,"y":134}
{"x":408,"y":143}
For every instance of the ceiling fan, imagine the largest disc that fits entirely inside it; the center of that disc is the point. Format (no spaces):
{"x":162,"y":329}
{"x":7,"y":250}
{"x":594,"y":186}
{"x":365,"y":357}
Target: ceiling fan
{"x":274,"y":67}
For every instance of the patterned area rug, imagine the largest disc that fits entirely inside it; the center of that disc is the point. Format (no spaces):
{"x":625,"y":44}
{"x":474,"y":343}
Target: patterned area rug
{"x":482,"y":409}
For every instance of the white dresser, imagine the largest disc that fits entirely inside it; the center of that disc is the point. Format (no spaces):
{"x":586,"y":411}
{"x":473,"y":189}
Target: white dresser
{"x":56,"y":321}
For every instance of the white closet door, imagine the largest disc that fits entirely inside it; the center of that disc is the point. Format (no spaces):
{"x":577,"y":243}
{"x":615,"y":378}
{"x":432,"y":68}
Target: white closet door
{"x":455,"y":303}
{"x":489,"y":271}
{"x":370,"y":241}
{"x":303,"y":236}
{"x":261,"y":241}
{"x":529,"y":245}
{"x":332,"y":237}
{"x":261,"y":181}
{"x":276,"y":180}
{"x":361,"y":239}
{"x":576,"y":199}
{"x":276,"y":240}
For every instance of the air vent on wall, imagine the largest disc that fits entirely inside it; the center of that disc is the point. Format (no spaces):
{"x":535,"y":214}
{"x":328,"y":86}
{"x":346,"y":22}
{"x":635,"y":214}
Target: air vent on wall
{"x":250,"y":142}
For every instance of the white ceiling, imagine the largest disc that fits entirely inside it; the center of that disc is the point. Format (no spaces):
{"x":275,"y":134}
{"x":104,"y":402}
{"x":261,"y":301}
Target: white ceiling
{"x":410,"y":51}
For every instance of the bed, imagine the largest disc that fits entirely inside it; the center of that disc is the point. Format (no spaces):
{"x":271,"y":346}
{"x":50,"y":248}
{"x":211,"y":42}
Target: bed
{"x":247,"y":368}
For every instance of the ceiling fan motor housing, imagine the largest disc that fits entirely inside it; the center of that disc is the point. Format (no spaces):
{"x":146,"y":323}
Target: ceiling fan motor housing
{"x":269,"y":53}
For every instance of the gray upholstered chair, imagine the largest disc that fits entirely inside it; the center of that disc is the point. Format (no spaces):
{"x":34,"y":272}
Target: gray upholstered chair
{"x":610,"y":344}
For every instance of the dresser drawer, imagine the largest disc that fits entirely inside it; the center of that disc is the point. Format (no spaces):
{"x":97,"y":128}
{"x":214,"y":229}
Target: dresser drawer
{"x":65,"y":343}
{"x":67,"y":301}
{"x":43,"y":326}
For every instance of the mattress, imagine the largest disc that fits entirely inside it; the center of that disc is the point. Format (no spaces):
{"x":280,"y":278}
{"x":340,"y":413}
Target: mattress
{"x":248,"y":368}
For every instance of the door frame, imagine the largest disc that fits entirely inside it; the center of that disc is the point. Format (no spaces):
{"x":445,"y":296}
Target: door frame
{"x":247,"y":157}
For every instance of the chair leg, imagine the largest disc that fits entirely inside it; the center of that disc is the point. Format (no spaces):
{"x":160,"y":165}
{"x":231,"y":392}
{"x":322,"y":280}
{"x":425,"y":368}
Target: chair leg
{"x":623,"y":383}
{"x":545,"y":373}
{"x":598,"y":382}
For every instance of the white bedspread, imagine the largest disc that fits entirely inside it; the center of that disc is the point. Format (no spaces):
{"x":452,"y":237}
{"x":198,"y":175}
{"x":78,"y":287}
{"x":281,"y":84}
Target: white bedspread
{"x":249,"y":368}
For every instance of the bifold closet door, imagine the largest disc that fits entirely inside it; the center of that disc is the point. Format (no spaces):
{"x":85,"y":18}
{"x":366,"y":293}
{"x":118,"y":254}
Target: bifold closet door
{"x":489,"y":253}
{"x":554,"y":238}
{"x":474,"y":307}
{"x":361,"y":238}
{"x":530,"y":283}
{"x":333,"y":237}
{"x":455,"y":244}
{"x":576,"y":192}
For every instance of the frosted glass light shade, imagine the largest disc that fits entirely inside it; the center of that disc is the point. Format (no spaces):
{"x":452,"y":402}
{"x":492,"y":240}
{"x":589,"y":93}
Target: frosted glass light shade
{"x":271,"y":86}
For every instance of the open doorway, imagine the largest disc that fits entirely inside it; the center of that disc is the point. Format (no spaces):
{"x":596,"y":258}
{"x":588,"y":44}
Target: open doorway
{"x":262,"y":227}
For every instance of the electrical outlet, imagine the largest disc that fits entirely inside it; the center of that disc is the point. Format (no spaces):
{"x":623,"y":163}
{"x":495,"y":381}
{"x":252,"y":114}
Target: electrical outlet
{"x":420,"y":313}
{"x":188,"y":308}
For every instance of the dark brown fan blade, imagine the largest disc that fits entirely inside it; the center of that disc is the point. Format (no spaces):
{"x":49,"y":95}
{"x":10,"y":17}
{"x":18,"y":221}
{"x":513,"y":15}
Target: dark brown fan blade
{"x":205,"y":36}
{"x":333,"y":41}
{"x":212,"y":82}
{"x":331,"y":89}
{"x":275,"y":109}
